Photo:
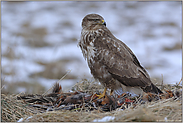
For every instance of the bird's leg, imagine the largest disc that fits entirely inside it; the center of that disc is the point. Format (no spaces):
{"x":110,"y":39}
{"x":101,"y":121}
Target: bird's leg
{"x":103,"y":94}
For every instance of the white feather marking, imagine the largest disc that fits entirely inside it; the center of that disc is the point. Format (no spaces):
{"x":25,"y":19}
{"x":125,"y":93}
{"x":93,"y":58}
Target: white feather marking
{"x":100,"y":30}
{"x":132,"y":90}
{"x":107,"y":53}
{"x":90,"y":51}
{"x":105,"y":75}
{"x":118,"y":49}
{"x":103,"y":71}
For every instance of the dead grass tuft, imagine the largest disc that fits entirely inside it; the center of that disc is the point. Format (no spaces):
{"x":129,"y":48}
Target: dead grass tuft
{"x":155,"y":111}
{"x":158,"y":111}
{"x":13,"y":110}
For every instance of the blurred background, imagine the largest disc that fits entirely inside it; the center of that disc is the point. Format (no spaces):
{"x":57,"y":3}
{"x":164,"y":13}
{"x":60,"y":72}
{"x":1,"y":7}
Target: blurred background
{"x":39,"y":41}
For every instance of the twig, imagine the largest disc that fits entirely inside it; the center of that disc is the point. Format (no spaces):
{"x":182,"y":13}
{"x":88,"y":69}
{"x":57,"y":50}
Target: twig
{"x":64,"y":75}
{"x":57,"y":82}
{"x":162,"y":81}
{"x":180,"y":81}
{"x":3,"y":87}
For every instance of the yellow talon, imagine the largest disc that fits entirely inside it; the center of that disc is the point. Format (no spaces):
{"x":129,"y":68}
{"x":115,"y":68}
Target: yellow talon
{"x":103,"y":94}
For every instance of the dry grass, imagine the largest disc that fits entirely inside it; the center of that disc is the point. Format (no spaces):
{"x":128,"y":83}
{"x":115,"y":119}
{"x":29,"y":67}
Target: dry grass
{"x":161,"y":110}
{"x":67,"y":116}
{"x":13,"y":110}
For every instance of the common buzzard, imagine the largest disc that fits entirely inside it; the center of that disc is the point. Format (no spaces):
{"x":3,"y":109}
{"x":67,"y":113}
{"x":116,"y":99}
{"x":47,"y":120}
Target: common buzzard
{"x":110,"y":60}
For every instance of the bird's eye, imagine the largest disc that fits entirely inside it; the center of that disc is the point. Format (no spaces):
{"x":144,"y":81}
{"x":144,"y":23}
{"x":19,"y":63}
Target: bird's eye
{"x":93,"y":20}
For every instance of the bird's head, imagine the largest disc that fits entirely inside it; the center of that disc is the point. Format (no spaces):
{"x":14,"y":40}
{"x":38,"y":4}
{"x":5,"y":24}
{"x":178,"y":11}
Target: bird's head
{"x":93,"y":21}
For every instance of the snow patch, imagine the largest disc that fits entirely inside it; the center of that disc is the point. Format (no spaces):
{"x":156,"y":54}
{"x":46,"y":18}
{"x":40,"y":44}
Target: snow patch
{"x":104,"y":119}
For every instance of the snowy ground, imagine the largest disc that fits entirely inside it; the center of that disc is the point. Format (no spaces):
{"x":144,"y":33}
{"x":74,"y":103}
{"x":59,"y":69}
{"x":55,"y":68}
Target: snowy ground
{"x":47,"y":32}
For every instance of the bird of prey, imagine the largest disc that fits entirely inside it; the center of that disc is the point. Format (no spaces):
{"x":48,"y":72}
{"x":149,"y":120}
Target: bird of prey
{"x":110,"y":60}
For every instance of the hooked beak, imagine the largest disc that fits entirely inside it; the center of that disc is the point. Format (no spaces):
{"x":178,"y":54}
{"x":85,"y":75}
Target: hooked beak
{"x":103,"y":22}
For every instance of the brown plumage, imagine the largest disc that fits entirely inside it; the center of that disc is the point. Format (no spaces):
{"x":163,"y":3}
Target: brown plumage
{"x":110,"y":60}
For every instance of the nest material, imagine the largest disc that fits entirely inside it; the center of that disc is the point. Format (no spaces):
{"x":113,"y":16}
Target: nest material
{"x":83,"y":105}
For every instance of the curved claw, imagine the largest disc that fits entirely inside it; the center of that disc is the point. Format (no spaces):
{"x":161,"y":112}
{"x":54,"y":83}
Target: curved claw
{"x":103,"y":94}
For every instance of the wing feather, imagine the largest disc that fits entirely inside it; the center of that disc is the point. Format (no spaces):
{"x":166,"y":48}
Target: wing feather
{"x":121,"y":62}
